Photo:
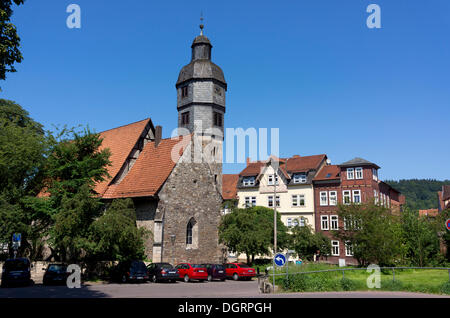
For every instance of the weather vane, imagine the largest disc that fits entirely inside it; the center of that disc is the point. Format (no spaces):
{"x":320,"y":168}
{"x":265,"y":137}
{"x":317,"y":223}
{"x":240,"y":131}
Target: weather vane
{"x":201,"y":23}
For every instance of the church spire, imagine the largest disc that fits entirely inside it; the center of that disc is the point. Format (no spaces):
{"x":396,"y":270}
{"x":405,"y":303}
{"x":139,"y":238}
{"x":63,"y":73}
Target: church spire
{"x":201,"y":24}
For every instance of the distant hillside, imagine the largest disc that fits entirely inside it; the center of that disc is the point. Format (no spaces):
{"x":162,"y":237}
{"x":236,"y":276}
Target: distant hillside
{"x":420,"y":193}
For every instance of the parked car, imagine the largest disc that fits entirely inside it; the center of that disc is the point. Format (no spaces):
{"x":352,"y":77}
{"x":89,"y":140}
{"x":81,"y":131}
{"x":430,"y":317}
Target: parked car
{"x":55,"y":274}
{"x":16,"y":272}
{"x":215,"y":271}
{"x":239,"y":270}
{"x":162,"y":272}
{"x":189,"y":272}
{"x":130,"y":271}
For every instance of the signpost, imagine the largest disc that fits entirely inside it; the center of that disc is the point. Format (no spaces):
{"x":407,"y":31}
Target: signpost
{"x":280,"y":260}
{"x":16,"y":239}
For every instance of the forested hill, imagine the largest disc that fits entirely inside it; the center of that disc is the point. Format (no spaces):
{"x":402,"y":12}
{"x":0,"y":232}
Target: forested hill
{"x":420,"y":193}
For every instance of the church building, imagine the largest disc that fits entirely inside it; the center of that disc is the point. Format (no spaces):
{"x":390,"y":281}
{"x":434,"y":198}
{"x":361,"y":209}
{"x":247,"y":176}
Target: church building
{"x":176,"y":183}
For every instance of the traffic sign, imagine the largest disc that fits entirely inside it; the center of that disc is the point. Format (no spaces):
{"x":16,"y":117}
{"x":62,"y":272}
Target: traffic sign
{"x":17,"y":237}
{"x":447,"y":224}
{"x":280,"y":260}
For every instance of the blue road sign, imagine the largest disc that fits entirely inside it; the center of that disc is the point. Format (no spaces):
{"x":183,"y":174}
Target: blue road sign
{"x":447,"y":224}
{"x":280,"y":260}
{"x":17,"y":237}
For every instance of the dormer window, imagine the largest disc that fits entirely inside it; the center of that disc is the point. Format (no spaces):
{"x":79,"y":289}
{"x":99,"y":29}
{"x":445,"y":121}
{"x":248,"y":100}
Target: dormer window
{"x":299,"y":177}
{"x":248,"y":181}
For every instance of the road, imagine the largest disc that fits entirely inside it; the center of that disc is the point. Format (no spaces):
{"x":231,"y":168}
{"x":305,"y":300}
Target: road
{"x":227,"y":289}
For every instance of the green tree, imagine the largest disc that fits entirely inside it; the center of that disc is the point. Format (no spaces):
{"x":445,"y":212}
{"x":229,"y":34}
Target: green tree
{"x":250,"y":231}
{"x":115,"y":236}
{"x":9,"y":39}
{"x":306,"y":243}
{"x":374,"y":232}
{"x":24,"y":147}
{"x":420,"y":239}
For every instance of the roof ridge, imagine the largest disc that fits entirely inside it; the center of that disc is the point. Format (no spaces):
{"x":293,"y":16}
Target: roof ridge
{"x":146,"y":119}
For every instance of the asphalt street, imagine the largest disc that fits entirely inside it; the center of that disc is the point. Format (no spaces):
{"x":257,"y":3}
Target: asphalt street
{"x":227,"y":289}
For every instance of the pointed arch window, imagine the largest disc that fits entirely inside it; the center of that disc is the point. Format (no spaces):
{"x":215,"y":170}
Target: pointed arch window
{"x":192,"y":234}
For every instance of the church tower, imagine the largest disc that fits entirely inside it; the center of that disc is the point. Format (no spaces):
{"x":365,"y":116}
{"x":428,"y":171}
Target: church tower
{"x":201,"y":89}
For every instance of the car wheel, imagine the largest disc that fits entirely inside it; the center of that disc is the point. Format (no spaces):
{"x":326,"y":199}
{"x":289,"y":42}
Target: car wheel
{"x":124,"y":279}
{"x":154,"y":279}
{"x":235,"y":276}
{"x":209,"y":278}
{"x":186,"y":279}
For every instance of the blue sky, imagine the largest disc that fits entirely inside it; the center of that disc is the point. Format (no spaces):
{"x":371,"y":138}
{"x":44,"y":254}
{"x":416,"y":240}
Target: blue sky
{"x":311,"y":68}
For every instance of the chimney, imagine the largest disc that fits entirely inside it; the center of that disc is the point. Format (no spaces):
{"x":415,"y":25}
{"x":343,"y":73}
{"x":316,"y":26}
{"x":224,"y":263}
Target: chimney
{"x":248,"y":160}
{"x":158,"y":135}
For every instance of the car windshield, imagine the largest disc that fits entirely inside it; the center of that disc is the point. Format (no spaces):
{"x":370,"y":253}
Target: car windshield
{"x":219,"y":267}
{"x":197,"y":266}
{"x":58,"y":268}
{"x":138,"y":266}
{"x":16,"y":265}
{"x":243,"y":266}
{"x":165,"y":265}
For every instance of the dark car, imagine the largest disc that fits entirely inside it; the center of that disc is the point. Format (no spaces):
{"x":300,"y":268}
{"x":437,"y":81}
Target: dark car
{"x":215,"y":271}
{"x":16,"y":272}
{"x":55,"y":274}
{"x":130,"y":271}
{"x":162,"y":272}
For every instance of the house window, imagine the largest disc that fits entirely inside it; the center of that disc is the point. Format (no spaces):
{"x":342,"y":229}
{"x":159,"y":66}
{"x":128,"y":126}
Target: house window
{"x":270,"y":201}
{"x":324,"y":222}
{"x":346,"y":197}
{"x":333,"y":197}
{"x":300,"y":178}
{"x":323,"y":198}
{"x":375,"y":196}
{"x":184,"y":91}
{"x":302,"y":221}
{"x":350,"y":173}
{"x":189,"y":234}
{"x":357,"y":196}
{"x":250,"y":201}
{"x":374,"y":174}
{"x":348,"y":249}
{"x":335,"y":248}
{"x":218,"y":119}
{"x":346,"y":223}
{"x":248,"y":181}
{"x":270,"y":179}
{"x":334,"y":222}
{"x":289,"y":222}
{"x":359,"y":173}
{"x":185,"y":118}
{"x":298,"y":200}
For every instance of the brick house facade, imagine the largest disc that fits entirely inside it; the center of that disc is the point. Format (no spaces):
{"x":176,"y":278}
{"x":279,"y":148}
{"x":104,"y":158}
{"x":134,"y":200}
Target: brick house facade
{"x":355,"y":181}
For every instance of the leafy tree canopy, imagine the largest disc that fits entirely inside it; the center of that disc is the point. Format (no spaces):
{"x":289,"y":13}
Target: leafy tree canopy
{"x":10,"y":40}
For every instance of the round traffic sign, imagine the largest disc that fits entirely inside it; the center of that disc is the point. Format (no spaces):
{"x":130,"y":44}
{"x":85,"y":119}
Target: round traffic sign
{"x":447,"y":224}
{"x":280,"y":260}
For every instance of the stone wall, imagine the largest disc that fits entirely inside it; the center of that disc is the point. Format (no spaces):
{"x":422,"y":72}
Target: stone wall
{"x":190,"y":193}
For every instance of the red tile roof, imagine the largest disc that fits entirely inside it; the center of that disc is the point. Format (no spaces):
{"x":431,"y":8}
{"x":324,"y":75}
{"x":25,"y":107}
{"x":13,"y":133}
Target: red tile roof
{"x":304,"y":164}
{"x":330,"y":172}
{"x":120,"y":142}
{"x":429,"y":212}
{"x":149,"y":172}
{"x":252,"y":169}
{"x":229,"y":186}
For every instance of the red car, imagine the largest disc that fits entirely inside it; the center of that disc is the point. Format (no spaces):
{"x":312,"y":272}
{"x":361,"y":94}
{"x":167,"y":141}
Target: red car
{"x":192,"y":271}
{"x":239,"y":270}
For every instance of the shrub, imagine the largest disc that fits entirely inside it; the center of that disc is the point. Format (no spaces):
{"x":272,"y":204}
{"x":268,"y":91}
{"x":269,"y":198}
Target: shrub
{"x":445,"y":288}
{"x":392,"y":285}
{"x":348,"y":284}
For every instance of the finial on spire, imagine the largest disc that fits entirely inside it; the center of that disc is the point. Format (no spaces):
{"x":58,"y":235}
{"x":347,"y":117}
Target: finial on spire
{"x":201,"y":23}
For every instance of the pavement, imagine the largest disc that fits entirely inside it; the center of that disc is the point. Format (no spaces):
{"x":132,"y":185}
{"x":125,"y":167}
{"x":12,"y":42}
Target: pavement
{"x":216,"y":289}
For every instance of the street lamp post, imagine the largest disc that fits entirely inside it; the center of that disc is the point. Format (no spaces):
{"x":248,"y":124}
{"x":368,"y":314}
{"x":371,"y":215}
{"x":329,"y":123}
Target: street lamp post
{"x":274,"y":223}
